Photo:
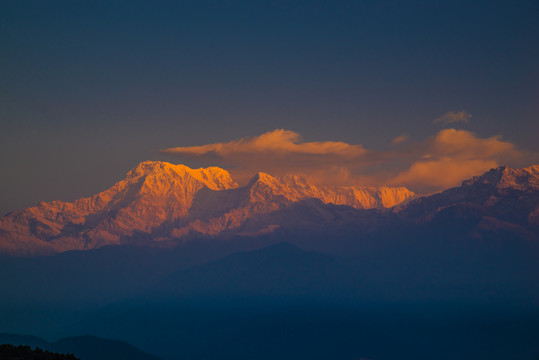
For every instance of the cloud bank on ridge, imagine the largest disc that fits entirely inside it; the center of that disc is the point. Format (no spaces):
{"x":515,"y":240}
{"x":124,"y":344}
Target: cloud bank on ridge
{"x":438,"y":162}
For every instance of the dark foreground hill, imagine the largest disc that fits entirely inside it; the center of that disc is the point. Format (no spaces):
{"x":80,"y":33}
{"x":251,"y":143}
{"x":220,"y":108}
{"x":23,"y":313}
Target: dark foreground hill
{"x":10,"y":352}
{"x":83,"y":347}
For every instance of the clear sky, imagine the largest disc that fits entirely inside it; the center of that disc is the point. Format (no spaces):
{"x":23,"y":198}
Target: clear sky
{"x":88,"y":89}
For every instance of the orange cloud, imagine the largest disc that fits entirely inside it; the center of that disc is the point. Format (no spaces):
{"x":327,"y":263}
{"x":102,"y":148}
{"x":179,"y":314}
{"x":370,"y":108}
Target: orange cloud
{"x":277,"y":142}
{"x":278,"y":152}
{"x":454,"y":117}
{"x":465,"y":144}
{"x":431,"y":176}
{"x":438,"y":162}
{"x":399,"y":139}
{"x":452,"y":156}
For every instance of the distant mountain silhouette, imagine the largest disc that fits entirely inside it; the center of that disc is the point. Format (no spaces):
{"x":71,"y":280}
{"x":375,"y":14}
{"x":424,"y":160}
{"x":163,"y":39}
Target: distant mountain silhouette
{"x":281,"y":270}
{"x":287,"y":303}
{"x":385,"y":271}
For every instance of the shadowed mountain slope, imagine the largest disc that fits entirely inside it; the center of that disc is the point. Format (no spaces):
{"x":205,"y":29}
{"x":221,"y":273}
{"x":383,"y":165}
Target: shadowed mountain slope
{"x":503,"y":202}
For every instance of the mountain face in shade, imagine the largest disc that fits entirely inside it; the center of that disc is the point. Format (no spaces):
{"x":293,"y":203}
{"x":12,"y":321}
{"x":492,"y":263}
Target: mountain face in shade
{"x":159,"y":202}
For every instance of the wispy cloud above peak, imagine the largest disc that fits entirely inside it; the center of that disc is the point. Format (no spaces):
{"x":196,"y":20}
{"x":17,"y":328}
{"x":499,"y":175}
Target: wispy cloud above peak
{"x":276,"y":142}
{"x":438,"y":162}
{"x":278,"y":152}
{"x":452,"y":117}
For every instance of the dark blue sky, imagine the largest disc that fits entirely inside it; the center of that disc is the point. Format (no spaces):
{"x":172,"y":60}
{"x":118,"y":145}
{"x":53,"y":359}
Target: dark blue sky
{"x":88,"y":89}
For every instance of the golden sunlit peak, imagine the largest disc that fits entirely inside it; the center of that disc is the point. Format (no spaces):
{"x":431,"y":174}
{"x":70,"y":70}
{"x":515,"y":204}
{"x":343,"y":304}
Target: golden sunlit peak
{"x":213,"y":177}
{"x":149,"y":166}
{"x":263,"y":177}
{"x":152,"y":166}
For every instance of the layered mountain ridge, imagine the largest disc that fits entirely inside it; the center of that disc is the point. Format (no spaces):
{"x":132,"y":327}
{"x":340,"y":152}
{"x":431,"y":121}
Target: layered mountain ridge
{"x":500,"y":193}
{"x":159,"y":201}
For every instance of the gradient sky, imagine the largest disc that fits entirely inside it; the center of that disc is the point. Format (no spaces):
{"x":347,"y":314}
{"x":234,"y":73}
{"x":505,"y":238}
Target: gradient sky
{"x":89,"y":89}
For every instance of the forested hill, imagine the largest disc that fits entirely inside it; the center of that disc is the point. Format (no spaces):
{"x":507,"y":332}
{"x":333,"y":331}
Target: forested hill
{"x":21,"y":352}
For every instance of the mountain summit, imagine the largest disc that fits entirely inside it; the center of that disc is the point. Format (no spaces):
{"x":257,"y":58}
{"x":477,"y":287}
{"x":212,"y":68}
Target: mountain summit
{"x":159,"y":201}
{"x":501,"y":201}
{"x":506,"y":178}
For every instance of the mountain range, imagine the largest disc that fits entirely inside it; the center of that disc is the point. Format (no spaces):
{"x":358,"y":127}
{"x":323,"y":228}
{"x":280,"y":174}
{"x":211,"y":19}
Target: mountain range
{"x":280,"y":268}
{"x":162,"y":203}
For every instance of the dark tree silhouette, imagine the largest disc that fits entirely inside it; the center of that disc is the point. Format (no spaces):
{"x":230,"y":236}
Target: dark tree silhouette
{"x":10,"y":352}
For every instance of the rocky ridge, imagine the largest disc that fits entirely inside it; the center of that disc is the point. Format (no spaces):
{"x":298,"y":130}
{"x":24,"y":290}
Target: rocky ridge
{"x":501,"y":200}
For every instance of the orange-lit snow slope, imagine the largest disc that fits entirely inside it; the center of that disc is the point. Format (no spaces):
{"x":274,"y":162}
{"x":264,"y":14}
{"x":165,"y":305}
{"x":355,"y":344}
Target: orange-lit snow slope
{"x":158,"y":201}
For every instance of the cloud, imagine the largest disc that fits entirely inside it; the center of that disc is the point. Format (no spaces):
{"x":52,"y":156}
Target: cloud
{"x":453,"y":117}
{"x":399,"y":139}
{"x":431,"y":176}
{"x":436,"y":163}
{"x":276,"y":142}
{"x":451,"y":156}
{"x":277,"y":152}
